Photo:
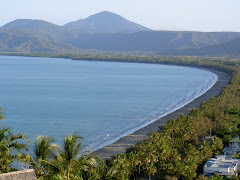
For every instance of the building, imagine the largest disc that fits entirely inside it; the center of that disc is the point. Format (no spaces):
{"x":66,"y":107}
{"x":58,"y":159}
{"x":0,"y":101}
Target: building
{"x":234,"y":147}
{"x":19,"y":175}
{"x":224,"y":165}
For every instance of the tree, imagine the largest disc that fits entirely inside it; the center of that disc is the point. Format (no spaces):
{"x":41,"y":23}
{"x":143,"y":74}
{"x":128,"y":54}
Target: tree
{"x":133,"y":162}
{"x":98,"y":172}
{"x":191,"y":161}
{"x":149,"y":158}
{"x":10,"y":149}
{"x":68,"y":163}
{"x":217,"y":145}
{"x":120,"y":167}
{"x":44,"y":152}
{"x":205,"y":151}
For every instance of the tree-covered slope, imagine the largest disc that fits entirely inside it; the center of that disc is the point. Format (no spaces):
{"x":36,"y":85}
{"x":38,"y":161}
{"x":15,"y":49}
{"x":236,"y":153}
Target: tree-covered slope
{"x":13,"y":42}
{"x":39,"y":28}
{"x":231,"y":47}
{"x":156,"y":41}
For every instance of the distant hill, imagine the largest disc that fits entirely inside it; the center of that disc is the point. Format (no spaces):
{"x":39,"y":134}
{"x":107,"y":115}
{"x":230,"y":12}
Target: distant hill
{"x":39,"y":28}
{"x":227,"y":48}
{"x":105,"y":22}
{"x":155,"y":41}
{"x":12,"y":42}
{"x":107,"y":31}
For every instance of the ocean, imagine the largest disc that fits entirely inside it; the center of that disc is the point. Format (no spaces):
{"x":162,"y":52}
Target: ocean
{"x":100,"y":101}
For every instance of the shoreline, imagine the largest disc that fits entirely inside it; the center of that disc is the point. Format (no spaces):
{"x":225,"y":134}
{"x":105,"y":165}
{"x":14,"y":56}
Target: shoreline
{"x":126,"y":142}
{"x":139,"y":135}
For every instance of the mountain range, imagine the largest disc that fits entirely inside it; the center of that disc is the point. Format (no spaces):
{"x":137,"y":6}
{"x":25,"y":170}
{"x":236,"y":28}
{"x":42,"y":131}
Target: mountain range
{"x":110,"y":32}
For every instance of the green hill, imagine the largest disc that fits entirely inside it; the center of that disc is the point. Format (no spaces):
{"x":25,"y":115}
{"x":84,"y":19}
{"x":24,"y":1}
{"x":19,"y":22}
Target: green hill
{"x":39,"y":28}
{"x":228,"y":48}
{"x":156,"y":41}
{"x":12,"y":42}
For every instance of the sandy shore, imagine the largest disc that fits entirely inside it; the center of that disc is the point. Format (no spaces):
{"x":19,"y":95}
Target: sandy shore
{"x":125,"y":142}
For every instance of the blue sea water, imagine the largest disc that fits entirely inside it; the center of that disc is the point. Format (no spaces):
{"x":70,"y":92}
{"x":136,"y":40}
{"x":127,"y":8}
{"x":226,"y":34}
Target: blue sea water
{"x":100,"y":101}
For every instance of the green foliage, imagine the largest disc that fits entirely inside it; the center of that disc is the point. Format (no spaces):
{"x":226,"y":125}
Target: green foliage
{"x":44,"y":151}
{"x":53,"y":162}
{"x":11,"y":149}
{"x":231,"y":47}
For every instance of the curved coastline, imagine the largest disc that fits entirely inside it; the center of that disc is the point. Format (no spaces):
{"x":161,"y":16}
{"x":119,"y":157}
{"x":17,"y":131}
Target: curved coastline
{"x":127,"y":141}
{"x":179,"y":103}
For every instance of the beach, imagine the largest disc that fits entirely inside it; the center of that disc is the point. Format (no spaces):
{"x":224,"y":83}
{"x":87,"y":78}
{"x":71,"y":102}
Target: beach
{"x":122,"y":144}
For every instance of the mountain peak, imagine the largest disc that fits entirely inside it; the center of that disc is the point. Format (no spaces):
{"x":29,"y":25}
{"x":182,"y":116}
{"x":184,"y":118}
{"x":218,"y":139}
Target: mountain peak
{"x":105,"y":14}
{"x":105,"y":22}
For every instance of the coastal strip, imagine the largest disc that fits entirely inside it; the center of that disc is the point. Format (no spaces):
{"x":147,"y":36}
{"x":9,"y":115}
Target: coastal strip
{"x":122,"y":144}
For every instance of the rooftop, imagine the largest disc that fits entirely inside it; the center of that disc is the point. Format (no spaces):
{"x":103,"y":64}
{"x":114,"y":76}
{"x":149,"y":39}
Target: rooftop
{"x":236,"y":139}
{"x":19,"y":175}
{"x":221,"y":161}
{"x":232,"y":150}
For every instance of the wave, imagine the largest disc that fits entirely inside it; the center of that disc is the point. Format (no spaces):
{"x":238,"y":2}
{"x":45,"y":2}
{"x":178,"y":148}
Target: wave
{"x":155,"y":114}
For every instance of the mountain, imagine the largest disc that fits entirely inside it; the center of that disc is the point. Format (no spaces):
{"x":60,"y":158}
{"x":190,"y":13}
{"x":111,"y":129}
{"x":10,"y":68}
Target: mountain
{"x":227,"y":48}
{"x":117,"y":34}
{"x":27,"y":35}
{"x":155,"y":41}
{"x":105,"y":22}
{"x":13,"y":42}
{"x":39,"y":28}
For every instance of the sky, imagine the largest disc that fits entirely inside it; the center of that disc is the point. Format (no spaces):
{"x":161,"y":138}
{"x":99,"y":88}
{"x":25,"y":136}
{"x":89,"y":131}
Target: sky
{"x":187,"y":15}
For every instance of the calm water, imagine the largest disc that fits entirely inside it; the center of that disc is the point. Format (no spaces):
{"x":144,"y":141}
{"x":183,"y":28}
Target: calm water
{"x":100,"y":101}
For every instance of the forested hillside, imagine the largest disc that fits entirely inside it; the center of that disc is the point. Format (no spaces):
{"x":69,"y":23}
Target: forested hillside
{"x":18,"y":42}
{"x":107,"y":31}
{"x":227,"y":48}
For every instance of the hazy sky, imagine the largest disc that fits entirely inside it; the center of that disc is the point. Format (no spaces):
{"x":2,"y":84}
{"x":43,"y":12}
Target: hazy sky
{"x":199,"y":15}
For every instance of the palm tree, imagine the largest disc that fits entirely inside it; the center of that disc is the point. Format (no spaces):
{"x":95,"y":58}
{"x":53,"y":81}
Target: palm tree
{"x":205,"y":151}
{"x":149,"y":158}
{"x":68,"y":163}
{"x":134,"y":162}
{"x":191,"y":161}
{"x":120,"y":167}
{"x":10,"y":149}
{"x":44,"y":152}
{"x":217,"y":145}
{"x":98,"y":172}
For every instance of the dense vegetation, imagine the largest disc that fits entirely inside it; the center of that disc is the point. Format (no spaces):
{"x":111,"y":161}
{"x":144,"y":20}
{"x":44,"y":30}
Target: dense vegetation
{"x":177,"y":151}
{"x":228,"y":48}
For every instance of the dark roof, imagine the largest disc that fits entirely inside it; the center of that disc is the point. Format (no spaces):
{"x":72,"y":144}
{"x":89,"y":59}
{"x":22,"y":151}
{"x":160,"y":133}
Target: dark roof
{"x":232,"y":150}
{"x":236,"y":139}
{"x":19,"y":175}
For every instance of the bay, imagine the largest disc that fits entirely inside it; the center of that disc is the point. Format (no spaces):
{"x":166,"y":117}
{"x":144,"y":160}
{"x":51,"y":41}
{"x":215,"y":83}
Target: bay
{"x":100,"y":101}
